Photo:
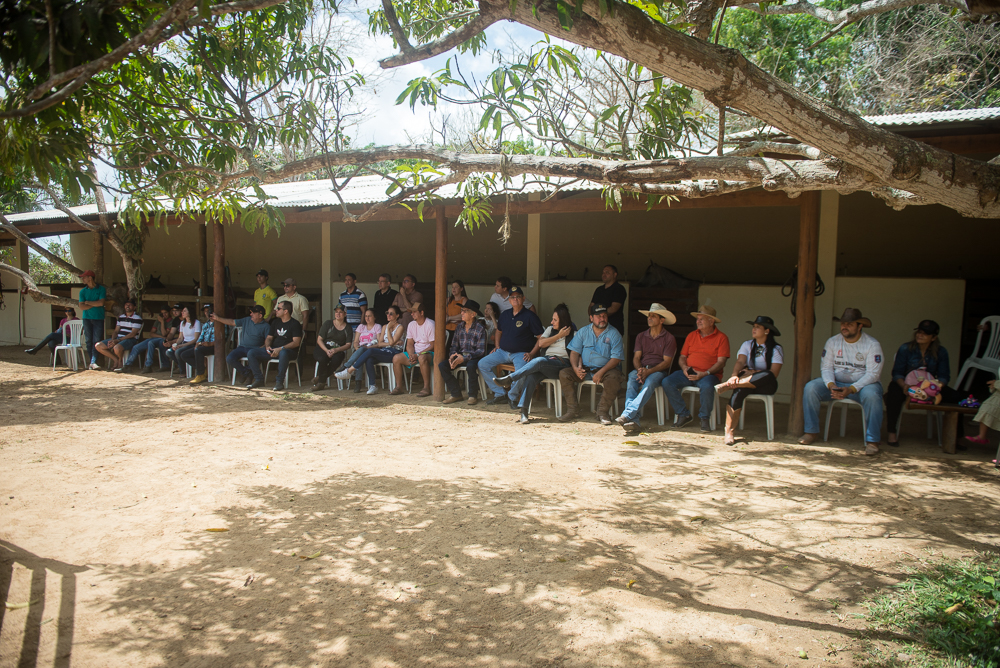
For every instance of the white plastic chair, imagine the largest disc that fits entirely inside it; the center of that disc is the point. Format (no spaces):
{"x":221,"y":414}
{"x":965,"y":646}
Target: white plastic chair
{"x":468,"y":391}
{"x":288,"y":370}
{"x":662,"y":407}
{"x":593,"y":395}
{"x":768,"y":401}
{"x":340,"y":383}
{"x":989,"y":360}
{"x":844,"y":405}
{"x":553,"y":386}
{"x":693,"y":392}
{"x":72,"y":343}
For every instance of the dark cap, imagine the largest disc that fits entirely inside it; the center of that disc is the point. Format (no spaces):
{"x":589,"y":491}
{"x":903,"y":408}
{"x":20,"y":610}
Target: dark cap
{"x":263,"y":272}
{"x":598,"y":308}
{"x":177,"y":306}
{"x":257,"y":308}
{"x":206,"y":305}
{"x":516,"y":290}
{"x":88,"y":273}
{"x":854,"y":315}
{"x":928,"y":327}
{"x":472,"y":305}
{"x":765,"y":322}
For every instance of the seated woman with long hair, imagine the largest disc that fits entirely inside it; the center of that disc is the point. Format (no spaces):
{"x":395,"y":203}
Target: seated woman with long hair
{"x":332,"y":343}
{"x":390,"y":344}
{"x":188,"y":332}
{"x":758,"y":364}
{"x":554,"y":358}
{"x":365,"y":336}
{"x":453,"y":309}
{"x":55,"y":338}
{"x":491,"y":317}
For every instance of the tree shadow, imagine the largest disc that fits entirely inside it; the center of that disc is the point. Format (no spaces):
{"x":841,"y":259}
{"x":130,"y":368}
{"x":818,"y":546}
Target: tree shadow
{"x":368,"y":570}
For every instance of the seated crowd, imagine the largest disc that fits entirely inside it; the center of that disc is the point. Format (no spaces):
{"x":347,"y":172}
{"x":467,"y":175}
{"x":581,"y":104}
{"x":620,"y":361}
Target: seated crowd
{"x":508,"y":334}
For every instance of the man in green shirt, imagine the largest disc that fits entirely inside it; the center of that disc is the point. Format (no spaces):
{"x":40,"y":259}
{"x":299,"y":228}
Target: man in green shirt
{"x":92,"y":304}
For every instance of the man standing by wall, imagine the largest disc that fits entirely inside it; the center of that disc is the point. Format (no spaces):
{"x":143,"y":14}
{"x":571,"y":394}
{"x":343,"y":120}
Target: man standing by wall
{"x":264,"y":295}
{"x":92,"y":304}
{"x":355,"y":301}
{"x":383,"y":298}
{"x":612,"y":294}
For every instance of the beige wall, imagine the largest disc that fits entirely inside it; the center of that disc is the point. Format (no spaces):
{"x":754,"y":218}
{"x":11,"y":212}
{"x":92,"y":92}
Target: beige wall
{"x":36,"y":318}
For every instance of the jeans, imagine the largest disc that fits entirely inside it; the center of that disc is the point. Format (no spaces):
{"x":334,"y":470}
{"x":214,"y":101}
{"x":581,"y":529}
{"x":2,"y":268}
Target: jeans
{"x":141,"y":348}
{"x":487,"y":367}
{"x":195,"y":357}
{"x":369,"y":358}
{"x":258,"y":356}
{"x":157,"y":345}
{"x":677,"y":381}
{"x":352,"y":360}
{"x":93,"y":331}
{"x":234,"y":357}
{"x":451,"y":382}
{"x":52,"y":340}
{"x":527,"y":378}
{"x":870,"y":398}
{"x":638,"y":395}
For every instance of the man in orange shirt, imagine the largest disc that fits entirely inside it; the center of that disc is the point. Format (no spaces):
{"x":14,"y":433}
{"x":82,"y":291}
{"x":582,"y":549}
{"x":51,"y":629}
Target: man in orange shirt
{"x":702,"y":359}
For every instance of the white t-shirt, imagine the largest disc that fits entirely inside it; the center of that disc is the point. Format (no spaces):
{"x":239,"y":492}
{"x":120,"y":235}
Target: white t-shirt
{"x":757,"y":364}
{"x":503,"y":303}
{"x":190,"y":332}
{"x":421,"y":335}
{"x":858,"y":363}
{"x":557,"y":349}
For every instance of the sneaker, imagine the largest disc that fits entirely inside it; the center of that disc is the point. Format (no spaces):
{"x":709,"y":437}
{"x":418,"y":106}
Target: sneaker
{"x":493,"y":401}
{"x":451,"y":400}
{"x":254,"y":385}
{"x":200,"y":378}
{"x":317,"y":387}
{"x":118,"y":369}
{"x":343,"y":375}
{"x":93,"y":367}
{"x":371,"y":389}
{"x":472,"y":401}
{"x":682,"y":421}
{"x":145,"y":369}
{"x":871,"y":449}
{"x":706,"y":425}
{"x":279,"y":386}
{"x":524,"y":419}
{"x":505,"y":382}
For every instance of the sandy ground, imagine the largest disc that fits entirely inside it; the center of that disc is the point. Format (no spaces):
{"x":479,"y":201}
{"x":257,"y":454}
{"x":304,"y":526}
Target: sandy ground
{"x":441,"y":535}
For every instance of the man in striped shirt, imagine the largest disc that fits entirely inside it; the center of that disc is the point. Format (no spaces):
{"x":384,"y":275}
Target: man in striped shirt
{"x":128,"y":329}
{"x":355,"y":301}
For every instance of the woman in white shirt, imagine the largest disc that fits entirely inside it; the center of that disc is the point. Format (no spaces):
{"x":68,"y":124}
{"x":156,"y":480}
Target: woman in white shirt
{"x":758,"y":364}
{"x":554,"y":358}
{"x":187,"y":336}
{"x":389,"y":343}
{"x":491,"y":315}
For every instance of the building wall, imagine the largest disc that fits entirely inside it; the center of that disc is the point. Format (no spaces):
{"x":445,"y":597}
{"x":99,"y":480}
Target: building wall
{"x":35,"y":321}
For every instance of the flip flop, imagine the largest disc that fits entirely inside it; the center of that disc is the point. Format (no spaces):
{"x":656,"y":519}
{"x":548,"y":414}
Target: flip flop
{"x":977,"y":440}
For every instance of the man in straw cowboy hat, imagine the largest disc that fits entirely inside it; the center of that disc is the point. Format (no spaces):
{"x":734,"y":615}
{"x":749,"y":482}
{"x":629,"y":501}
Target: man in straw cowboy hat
{"x":850,"y":369}
{"x":702,"y":359}
{"x":655,"y":349}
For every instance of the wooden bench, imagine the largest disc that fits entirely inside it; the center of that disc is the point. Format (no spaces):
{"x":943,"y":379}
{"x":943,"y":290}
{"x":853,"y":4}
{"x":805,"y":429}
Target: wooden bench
{"x":949,"y":437}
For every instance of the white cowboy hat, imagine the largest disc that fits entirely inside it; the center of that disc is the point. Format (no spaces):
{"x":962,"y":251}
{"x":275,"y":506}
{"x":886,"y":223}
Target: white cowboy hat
{"x":660,"y":310}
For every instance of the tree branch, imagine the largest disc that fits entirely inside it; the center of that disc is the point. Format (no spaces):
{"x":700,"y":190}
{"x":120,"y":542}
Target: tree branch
{"x":51,"y":257}
{"x":849,"y":15}
{"x":418,"y":53}
{"x":33,"y":290}
{"x":397,"y":30}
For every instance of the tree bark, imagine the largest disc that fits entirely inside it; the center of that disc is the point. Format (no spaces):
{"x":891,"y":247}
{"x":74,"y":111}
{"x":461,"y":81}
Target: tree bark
{"x":98,"y":244}
{"x":34,"y":292}
{"x":805,"y":301}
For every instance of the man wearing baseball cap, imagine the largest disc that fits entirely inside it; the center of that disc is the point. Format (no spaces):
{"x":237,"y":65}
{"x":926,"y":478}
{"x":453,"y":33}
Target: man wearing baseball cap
{"x":703,"y":357}
{"x":655,"y":349}
{"x":850,"y":369}
{"x":264,"y":295}
{"x":92,"y":304}
{"x":253,"y":331}
{"x":595,"y":353}
{"x":517,"y":331}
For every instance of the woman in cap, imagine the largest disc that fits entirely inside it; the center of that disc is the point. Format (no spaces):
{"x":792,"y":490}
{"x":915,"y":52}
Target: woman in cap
{"x":333,"y":342}
{"x":923,"y":352}
{"x":758,"y":363}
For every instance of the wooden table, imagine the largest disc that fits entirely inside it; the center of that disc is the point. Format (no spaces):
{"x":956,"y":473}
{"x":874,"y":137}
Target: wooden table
{"x":949,"y":437}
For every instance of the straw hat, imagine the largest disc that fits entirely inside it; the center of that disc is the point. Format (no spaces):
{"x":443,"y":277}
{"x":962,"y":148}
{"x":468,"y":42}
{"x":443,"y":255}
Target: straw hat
{"x":660,"y":310}
{"x":705,"y":310}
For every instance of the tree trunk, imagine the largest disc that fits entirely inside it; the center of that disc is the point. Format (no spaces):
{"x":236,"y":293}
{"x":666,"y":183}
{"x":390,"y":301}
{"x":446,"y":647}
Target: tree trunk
{"x":805,"y":305}
{"x":98,"y":244}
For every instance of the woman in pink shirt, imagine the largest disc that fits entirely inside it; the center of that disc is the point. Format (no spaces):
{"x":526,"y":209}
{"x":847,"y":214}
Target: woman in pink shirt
{"x":55,"y":338}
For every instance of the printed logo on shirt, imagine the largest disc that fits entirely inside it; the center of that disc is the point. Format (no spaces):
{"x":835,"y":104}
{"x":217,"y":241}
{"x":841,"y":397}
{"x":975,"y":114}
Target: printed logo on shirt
{"x":824,"y":353}
{"x":878,"y":359}
{"x":519,"y":323}
{"x":840,"y":353}
{"x":282,"y":332}
{"x":859,"y":357}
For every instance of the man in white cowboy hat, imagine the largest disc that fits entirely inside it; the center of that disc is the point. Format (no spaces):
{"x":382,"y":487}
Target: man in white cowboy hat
{"x":850,"y":369}
{"x":702,"y":359}
{"x":655,"y":349}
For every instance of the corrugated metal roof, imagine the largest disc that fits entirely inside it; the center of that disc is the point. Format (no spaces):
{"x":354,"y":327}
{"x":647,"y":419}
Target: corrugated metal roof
{"x":311,"y":194}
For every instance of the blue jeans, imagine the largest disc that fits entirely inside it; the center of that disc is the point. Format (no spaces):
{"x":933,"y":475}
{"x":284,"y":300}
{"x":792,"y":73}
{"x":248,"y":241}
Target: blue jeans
{"x":351,"y":361}
{"x":52,"y":340}
{"x":527,"y":378}
{"x":93,"y":331}
{"x":870,"y":398}
{"x":677,"y":381}
{"x":258,"y":356}
{"x":369,"y":358}
{"x":487,"y":367}
{"x":157,"y":345}
{"x":141,"y":348}
{"x":638,"y":395}
{"x":234,"y":357}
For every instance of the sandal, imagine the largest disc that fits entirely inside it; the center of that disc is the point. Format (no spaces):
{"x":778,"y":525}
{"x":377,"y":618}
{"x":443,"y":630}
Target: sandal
{"x":977,"y":440}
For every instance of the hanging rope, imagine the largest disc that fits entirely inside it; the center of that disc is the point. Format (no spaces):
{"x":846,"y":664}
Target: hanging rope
{"x":791,"y":287}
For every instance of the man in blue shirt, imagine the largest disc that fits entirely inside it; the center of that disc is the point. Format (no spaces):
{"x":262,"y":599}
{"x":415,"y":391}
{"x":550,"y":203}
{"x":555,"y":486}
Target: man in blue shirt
{"x":253,"y":332}
{"x":595,"y":353}
{"x":517,"y":330}
{"x":92,"y":304}
{"x":355,"y":301}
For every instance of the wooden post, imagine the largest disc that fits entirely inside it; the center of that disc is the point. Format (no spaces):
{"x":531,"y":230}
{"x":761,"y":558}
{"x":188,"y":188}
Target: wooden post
{"x":219,"y":280}
{"x":440,"y":300}
{"x":203,"y":262}
{"x":805,"y":299}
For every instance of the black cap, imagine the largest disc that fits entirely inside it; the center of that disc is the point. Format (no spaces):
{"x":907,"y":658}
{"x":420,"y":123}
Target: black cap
{"x":598,"y":308}
{"x":472,"y":305}
{"x":765,"y":322}
{"x":206,"y":305}
{"x":257,"y":308}
{"x":177,"y":306}
{"x":263,"y":272}
{"x":516,"y":290}
{"x":928,"y":327}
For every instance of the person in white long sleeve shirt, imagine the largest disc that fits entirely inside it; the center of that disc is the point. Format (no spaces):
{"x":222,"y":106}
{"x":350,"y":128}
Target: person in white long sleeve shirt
{"x":851,"y":367}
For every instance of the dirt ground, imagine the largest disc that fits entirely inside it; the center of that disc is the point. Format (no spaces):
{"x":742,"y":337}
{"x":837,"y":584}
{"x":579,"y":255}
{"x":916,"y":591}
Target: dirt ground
{"x":373,"y":532}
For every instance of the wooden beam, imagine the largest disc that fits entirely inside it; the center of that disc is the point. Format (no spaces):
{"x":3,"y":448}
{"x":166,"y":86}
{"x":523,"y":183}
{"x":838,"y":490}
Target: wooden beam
{"x":219,"y":295}
{"x":440,"y":301}
{"x":805,"y":299}
{"x":203,"y":260}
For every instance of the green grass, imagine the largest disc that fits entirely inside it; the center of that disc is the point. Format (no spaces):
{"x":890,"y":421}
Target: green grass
{"x":950,"y":609}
